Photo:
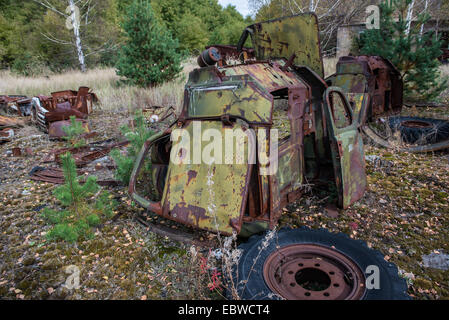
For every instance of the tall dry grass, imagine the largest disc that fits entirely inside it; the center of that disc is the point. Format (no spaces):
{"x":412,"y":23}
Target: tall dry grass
{"x":104,"y":82}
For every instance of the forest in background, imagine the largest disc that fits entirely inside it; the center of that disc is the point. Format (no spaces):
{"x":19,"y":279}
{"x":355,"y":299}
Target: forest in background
{"x":34,"y":38}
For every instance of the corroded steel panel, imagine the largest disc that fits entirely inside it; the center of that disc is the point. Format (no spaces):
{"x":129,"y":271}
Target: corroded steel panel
{"x":347,"y":148}
{"x":242,"y":99}
{"x":281,"y":38}
{"x":208,"y":196}
{"x":269,"y":76}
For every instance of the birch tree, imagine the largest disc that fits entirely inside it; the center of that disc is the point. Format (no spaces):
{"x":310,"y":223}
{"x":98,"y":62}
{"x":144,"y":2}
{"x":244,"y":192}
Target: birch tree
{"x":82,"y":26}
{"x":409,"y":16}
{"x":72,"y":16}
{"x":425,"y":11}
{"x":74,"y":21}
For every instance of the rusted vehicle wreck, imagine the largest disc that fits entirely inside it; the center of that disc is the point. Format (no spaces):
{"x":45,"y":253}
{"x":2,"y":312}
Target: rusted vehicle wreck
{"x":277,"y":85}
{"x":52,"y":113}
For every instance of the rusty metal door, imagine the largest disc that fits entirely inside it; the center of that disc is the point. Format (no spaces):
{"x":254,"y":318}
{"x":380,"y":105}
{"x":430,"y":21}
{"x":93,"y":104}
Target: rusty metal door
{"x":347,"y":147}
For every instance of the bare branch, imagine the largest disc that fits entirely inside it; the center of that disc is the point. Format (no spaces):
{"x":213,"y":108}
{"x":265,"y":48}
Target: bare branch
{"x":49,"y":6}
{"x":330,"y":9}
{"x":58,"y":41}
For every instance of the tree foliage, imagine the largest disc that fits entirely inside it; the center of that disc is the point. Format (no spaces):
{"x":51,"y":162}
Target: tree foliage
{"x":35,"y":40}
{"x":136,"y":138}
{"x":197,"y":23}
{"x":150,"y":55}
{"x":74,"y":133}
{"x":413,"y":53}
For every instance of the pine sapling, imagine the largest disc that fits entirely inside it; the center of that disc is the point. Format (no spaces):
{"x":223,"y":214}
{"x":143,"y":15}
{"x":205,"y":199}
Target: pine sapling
{"x":71,"y":193}
{"x":79,"y":214}
{"x":136,"y":138}
{"x":74,"y":133}
{"x":414,"y":53}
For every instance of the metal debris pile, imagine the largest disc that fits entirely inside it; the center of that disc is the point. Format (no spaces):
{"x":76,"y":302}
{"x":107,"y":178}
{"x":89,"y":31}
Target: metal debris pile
{"x":92,"y":159}
{"x":7,"y":126}
{"x":49,"y":113}
{"x":52,"y":113}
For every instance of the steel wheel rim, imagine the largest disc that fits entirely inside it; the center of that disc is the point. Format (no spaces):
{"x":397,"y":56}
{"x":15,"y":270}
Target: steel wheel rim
{"x":313,"y":272}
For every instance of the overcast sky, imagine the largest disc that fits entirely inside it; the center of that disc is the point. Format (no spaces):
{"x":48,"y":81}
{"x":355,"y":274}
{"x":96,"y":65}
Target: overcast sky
{"x":241,"y":5}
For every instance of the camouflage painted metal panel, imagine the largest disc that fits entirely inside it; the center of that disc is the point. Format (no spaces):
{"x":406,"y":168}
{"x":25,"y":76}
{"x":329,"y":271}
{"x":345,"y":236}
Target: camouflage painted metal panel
{"x":353,"y":83}
{"x":289,"y":174}
{"x":269,"y":76}
{"x":243,"y":99}
{"x":347,"y":150}
{"x":281,"y":38}
{"x":203,"y":76}
{"x":352,"y":163}
{"x":210,"y":197}
{"x":359,"y":102}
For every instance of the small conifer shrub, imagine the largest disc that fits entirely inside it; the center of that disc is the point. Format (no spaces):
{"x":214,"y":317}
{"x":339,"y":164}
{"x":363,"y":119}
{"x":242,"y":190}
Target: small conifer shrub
{"x":136,"y":138}
{"x":74,"y":133}
{"x":82,"y":210}
{"x":413,"y":52}
{"x":150,"y":55}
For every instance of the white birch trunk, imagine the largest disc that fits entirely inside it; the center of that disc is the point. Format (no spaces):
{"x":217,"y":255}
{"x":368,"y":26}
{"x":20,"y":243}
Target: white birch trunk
{"x":409,"y":17}
{"x":76,"y":31}
{"x":422,"y":26}
{"x":311,"y":5}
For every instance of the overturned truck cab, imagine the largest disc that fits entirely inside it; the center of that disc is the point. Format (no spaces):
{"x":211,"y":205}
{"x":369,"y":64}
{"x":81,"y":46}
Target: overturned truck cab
{"x":252,"y":136}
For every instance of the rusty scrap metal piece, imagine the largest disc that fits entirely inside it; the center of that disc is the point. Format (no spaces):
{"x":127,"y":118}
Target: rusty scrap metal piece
{"x":56,"y":129}
{"x":20,"y":105}
{"x":6,"y":135}
{"x":60,"y":106}
{"x":83,"y":155}
{"x":56,"y":176}
{"x":61,"y":115}
{"x":8,"y":122}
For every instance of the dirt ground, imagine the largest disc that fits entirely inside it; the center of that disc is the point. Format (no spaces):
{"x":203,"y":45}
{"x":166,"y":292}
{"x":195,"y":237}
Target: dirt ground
{"x":405,"y":215}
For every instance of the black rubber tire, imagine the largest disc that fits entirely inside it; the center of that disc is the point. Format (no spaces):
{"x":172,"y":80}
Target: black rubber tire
{"x":392,"y":286}
{"x":439,"y":130}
